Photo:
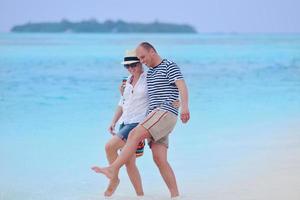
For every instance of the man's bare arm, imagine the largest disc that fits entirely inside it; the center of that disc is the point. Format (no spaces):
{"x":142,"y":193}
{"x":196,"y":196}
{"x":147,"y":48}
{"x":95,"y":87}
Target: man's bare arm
{"x":183,"y":92}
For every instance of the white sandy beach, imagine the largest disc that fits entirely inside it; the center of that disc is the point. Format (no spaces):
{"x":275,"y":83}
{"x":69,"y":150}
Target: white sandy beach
{"x":269,"y":170}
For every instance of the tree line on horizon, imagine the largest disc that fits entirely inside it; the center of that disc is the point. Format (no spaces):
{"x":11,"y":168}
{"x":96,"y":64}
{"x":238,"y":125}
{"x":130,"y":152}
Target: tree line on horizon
{"x":108,"y":26}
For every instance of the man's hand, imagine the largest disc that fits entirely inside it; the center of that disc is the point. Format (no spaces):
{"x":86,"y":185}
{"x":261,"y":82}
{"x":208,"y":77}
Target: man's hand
{"x":185,"y":114}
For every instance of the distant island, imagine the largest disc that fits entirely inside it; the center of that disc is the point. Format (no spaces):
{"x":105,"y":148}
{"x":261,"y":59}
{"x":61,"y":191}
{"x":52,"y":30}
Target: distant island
{"x":109,"y":26}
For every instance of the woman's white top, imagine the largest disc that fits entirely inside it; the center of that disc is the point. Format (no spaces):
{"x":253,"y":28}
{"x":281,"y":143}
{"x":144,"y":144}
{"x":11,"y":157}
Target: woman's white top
{"x":134,"y":101}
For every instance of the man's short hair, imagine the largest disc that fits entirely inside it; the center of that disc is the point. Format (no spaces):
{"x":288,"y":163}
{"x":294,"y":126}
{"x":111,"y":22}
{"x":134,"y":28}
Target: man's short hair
{"x":148,"y":46}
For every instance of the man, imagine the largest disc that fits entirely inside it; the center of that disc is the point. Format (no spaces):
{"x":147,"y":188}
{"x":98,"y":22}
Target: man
{"x":165,"y":84}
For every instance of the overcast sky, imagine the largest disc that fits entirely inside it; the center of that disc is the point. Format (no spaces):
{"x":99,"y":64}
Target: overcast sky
{"x":204,"y":15}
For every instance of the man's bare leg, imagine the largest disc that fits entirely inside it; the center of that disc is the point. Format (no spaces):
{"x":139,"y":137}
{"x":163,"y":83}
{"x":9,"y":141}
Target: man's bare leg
{"x":111,"y":149}
{"x":135,"y":136}
{"x":134,"y":176}
{"x":159,"y":152}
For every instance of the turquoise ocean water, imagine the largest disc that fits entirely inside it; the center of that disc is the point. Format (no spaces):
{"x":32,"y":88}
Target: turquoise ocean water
{"x":58,"y":93}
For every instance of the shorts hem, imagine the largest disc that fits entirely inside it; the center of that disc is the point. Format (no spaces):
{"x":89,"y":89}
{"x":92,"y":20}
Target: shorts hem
{"x":153,"y":142}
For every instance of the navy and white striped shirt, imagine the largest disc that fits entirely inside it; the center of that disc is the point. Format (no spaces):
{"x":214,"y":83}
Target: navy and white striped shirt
{"x":162,"y":90}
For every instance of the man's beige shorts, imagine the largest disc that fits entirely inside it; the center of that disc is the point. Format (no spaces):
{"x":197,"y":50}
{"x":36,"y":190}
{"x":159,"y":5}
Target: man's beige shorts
{"x":159,"y":123}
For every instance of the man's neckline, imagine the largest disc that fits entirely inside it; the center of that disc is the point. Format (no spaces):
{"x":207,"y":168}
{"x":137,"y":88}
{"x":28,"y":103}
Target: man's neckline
{"x":159,"y":63}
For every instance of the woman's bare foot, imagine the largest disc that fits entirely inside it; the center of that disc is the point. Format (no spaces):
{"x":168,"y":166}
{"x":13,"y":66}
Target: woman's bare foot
{"x":112,"y":186}
{"x":96,"y":169}
{"x":107,"y":171}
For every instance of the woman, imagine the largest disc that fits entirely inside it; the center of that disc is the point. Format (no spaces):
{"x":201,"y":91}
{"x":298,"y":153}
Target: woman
{"x":132,"y":109}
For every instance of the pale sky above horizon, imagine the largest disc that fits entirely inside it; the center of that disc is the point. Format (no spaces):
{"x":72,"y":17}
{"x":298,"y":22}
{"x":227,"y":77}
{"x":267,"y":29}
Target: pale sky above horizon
{"x":204,"y":15}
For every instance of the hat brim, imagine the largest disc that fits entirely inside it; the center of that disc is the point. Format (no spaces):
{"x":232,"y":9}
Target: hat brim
{"x":129,"y":62}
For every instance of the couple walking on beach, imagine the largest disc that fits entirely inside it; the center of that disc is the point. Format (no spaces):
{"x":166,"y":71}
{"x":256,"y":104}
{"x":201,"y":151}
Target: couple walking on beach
{"x":149,"y":110}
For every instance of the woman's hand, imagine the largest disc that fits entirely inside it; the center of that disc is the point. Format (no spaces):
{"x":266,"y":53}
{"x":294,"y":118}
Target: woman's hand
{"x":176,"y":104}
{"x":122,"y":87}
{"x":111,"y":128}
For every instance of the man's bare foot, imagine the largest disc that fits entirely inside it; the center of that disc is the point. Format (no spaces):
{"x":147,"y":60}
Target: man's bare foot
{"x":107,"y":171}
{"x":112,"y":186}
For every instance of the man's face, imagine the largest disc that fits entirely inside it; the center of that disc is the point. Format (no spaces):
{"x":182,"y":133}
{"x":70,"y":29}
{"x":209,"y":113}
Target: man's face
{"x":144,"y":55}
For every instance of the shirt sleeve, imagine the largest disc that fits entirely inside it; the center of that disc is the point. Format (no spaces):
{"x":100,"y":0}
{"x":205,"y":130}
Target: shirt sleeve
{"x":173,"y":73}
{"x":121,"y":101}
